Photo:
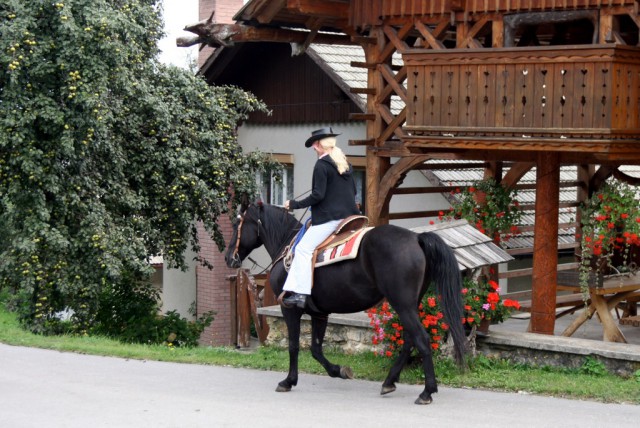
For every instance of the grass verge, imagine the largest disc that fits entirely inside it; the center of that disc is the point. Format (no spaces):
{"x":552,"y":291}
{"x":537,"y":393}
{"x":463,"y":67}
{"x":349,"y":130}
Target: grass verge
{"x":484,"y":373}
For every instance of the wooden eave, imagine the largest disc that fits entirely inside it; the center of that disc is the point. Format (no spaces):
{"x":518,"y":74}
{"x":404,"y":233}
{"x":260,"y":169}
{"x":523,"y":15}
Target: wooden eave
{"x":504,"y":149}
{"x":217,"y":35}
{"x":321,"y":15}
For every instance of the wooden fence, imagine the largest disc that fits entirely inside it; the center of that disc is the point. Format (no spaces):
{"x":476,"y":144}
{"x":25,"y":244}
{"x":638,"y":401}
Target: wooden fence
{"x":248,"y":293}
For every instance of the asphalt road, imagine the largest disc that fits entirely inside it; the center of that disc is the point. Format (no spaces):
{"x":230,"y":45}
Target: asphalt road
{"x":42,"y":388}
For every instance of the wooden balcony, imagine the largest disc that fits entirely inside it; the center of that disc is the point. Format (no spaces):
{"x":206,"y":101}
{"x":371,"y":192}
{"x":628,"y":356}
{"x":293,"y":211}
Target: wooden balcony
{"x":364,"y":13}
{"x":571,"y":98}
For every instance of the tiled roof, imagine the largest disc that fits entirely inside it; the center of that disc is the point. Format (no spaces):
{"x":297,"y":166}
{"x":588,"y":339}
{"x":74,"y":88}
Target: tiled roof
{"x":339,"y":58}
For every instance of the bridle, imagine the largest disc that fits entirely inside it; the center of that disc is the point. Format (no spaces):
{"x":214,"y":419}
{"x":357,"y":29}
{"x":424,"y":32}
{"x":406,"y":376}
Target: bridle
{"x":235,"y":257}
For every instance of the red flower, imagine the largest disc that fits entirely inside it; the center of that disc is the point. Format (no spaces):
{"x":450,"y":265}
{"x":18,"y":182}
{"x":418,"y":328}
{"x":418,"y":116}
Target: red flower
{"x":493,"y":298}
{"x":511,"y":303}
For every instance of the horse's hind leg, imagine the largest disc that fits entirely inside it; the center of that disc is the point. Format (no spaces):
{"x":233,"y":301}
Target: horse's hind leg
{"x":421,"y":340}
{"x":292,"y":319}
{"x":318,"y":330}
{"x":389,"y":384}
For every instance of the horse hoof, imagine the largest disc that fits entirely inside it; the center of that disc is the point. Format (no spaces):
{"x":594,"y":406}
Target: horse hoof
{"x":346,"y":372}
{"x":421,"y":400}
{"x":282,"y":388}
{"x":387,"y":389}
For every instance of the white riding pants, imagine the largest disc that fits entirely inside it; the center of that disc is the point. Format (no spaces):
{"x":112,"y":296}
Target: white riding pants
{"x":300,"y":274}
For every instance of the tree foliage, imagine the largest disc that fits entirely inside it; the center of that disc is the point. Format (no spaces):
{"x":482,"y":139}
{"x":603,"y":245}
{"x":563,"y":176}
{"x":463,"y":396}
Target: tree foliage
{"x":106,"y":156}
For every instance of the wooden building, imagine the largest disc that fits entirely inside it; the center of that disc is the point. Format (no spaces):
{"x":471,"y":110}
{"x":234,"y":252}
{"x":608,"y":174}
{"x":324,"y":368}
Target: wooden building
{"x":535,"y":83}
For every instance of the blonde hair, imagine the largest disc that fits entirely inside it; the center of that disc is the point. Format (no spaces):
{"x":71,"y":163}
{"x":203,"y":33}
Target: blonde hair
{"x":338,"y":156}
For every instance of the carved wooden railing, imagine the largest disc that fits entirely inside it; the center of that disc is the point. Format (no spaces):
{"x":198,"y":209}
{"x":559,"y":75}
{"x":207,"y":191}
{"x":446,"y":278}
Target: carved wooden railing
{"x":372,"y":12}
{"x":583,"y":92}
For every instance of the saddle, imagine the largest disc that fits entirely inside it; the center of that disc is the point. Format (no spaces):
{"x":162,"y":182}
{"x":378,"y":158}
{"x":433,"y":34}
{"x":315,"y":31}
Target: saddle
{"x":348,"y":232}
{"x":345,"y":231}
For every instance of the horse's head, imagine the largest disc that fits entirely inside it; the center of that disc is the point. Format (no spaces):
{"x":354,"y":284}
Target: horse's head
{"x":245,"y":237}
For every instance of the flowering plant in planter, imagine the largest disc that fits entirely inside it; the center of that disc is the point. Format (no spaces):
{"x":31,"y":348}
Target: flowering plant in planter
{"x":482,"y":301}
{"x":490,"y":207}
{"x":610,"y":231}
{"x":387,"y":329}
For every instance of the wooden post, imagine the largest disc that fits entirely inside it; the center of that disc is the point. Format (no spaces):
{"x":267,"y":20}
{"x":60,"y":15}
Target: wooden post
{"x":545,"y":245}
{"x":376,"y":209}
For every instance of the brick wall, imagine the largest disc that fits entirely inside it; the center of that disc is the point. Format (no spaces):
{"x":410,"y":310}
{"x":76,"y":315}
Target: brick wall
{"x":225,"y":10}
{"x":213,"y":289}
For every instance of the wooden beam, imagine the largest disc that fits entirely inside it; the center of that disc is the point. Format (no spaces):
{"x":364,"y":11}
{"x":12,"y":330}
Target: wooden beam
{"x":270,"y":11}
{"x":390,"y":48}
{"x":393,"y":177}
{"x":399,"y":44}
{"x":369,"y":142}
{"x":359,"y":64}
{"x":322,"y":9}
{"x":368,"y":91}
{"x":413,"y":214}
{"x":362,"y":116}
{"x":428,"y":36}
{"x":391,"y":79}
{"x":388,"y":90}
{"x":422,"y":190}
{"x":217,"y":35}
{"x":469,"y":40}
{"x":619,"y":175}
{"x":394,"y":122}
{"x":516,"y":172}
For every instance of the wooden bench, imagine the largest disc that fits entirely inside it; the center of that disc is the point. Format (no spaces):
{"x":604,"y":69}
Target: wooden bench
{"x":570,"y":301}
{"x":630,"y":311}
{"x":634,"y":321}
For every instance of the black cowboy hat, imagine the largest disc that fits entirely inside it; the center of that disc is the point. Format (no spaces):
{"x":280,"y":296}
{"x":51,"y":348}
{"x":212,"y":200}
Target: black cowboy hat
{"x":319,"y":134}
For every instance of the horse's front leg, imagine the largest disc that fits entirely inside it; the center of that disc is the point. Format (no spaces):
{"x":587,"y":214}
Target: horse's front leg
{"x":318,"y":330}
{"x":292,"y":318}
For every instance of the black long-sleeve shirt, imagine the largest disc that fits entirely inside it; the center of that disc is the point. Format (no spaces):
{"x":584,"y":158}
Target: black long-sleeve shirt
{"x":333,"y":195}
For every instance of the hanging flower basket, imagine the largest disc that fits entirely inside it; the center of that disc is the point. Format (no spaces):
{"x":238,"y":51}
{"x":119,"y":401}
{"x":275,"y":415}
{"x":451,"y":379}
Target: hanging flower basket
{"x":492,"y":208}
{"x":610,"y":241}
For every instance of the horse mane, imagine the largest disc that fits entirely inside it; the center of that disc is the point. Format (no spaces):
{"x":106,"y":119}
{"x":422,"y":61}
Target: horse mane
{"x":279,"y":225}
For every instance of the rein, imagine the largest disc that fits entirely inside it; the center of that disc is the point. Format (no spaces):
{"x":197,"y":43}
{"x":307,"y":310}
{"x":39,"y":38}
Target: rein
{"x":236,"y":257}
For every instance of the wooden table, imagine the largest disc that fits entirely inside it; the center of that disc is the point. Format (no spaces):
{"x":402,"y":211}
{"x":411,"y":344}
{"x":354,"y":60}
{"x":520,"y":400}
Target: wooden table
{"x":603,"y":300}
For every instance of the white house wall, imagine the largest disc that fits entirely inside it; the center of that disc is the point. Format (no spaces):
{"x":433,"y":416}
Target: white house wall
{"x":290,"y":139}
{"x":179,"y":288}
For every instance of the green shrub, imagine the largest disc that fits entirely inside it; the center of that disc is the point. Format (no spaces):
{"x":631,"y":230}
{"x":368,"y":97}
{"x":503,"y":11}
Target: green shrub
{"x":130,"y":312}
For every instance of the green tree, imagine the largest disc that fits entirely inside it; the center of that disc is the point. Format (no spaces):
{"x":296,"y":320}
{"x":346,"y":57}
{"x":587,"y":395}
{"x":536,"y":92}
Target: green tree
{"x":106,"y":156}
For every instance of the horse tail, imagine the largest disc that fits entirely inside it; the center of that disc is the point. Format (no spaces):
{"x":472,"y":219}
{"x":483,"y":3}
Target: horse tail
{"x":443,"y":270}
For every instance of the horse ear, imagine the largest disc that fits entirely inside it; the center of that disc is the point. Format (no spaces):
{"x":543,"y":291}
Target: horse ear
{"x":244,"y":202}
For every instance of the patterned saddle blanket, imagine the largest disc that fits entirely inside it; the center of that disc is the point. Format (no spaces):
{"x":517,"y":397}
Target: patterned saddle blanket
{"x":345,"y":249}
{"x":341,"y":245}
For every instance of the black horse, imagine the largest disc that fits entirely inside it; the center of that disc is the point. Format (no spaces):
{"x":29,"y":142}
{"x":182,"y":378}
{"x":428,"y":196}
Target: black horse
{"x":393,"y":263}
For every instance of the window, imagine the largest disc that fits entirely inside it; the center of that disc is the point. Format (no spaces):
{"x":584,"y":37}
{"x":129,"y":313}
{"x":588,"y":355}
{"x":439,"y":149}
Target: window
{"x":359,"y":176}
{"x":276,"y":192}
